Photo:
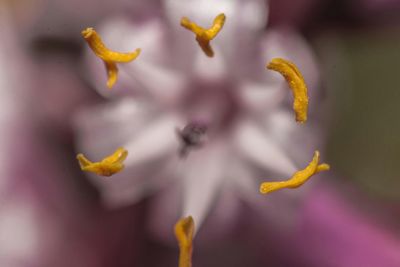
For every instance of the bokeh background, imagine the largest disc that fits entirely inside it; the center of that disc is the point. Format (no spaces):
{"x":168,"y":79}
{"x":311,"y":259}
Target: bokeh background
{"x":51,"y":215}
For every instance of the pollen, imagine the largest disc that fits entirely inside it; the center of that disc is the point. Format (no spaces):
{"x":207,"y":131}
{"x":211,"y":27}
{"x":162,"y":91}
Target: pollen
{"x":108,"y":166}
{"x":298,"y":178}
{"x":204,"y":36}
{"x":110,"y":58}
{"x":184,"y":231}
{"x":296,"y":82}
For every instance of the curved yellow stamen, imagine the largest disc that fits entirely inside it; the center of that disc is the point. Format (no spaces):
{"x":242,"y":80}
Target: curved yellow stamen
{"x":184,"y":231}
{"x":296,"y":82}
{"x":112,"y":73}
{"x":106,"y":167}
{"x":298,"y":178}
{"x":204,"y":36}
{"x":109,"y":57}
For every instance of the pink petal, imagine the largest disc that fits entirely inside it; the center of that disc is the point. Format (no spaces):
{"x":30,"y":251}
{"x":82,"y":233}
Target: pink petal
{"x":248,"y":15}
{"x":135,"y":183}
{"x":103,"y":128}
{"x":153,"y":151}
{"x":209,"y":69}
{"x":156,"y":140}
{"x":148,"y":74}
{"x":203,"y":174}
{"x":259,"y":147}
{"x":245,"y":19}
{"x":300,"y":141}
{"x":210,"y":195}
{"x":261,"y":97}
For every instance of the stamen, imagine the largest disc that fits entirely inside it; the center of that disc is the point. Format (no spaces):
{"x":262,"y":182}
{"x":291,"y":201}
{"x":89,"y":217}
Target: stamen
{"x":204,"y":36}
{"x":108,"y":166}
{"x":184,"y":230}
{"x":298,"y":178}
{"x":296,"y":82}
{"x":109,"y":57}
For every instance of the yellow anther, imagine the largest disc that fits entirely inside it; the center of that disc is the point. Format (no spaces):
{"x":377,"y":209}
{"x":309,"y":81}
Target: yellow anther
{"x":298,"y":178}
{"x":109,"y":57}
{"x":184,"y":231}
{"x":204,"y":36}
{"x":296,"y":83}
{"x":108,"y":166}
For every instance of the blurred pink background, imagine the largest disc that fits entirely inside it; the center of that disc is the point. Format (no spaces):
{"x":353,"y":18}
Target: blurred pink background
{"x":52,"y":214}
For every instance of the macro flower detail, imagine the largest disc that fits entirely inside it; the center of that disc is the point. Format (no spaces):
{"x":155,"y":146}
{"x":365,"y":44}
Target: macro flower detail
{"x":296,"y":82}
{"x":184,"y":232}
{"x":110,"y":58}
{"x":298,"y":178}
{"x":199,"y":124}
{"x":108,"y":166}
{"x":204,"y":36}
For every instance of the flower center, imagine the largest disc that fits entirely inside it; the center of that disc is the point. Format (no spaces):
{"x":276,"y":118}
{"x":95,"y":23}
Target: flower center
{"x":193,"y":135}
{"x":214,"y":103}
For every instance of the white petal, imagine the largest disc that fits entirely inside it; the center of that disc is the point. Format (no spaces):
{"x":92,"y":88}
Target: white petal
{"x":242,"y":179}
{"x":202,"y":179}
{"x":156,"y":140}
{"x":151,"y":143}
{"x":300,"y":141}
{"x":244,"y":20}
{"x":261,"y":97}
{"x":258,"y":147}
{"x":201,"y":12}
{"x":136,"y":182}
{"x":102,"y":129}
{"x":165,"y":211}
{"x":151,"y":162}
{"x":209,"y":69}
{"x":246,"y":15}
{"x":148,"y":73}
{"x":163,"y":84}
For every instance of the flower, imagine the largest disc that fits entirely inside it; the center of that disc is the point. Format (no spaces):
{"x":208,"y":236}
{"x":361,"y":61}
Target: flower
{"x":205,"y":123}
{"x":21,"y":217}
{"x":12,"y":88}
{"x":44,"y":220}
